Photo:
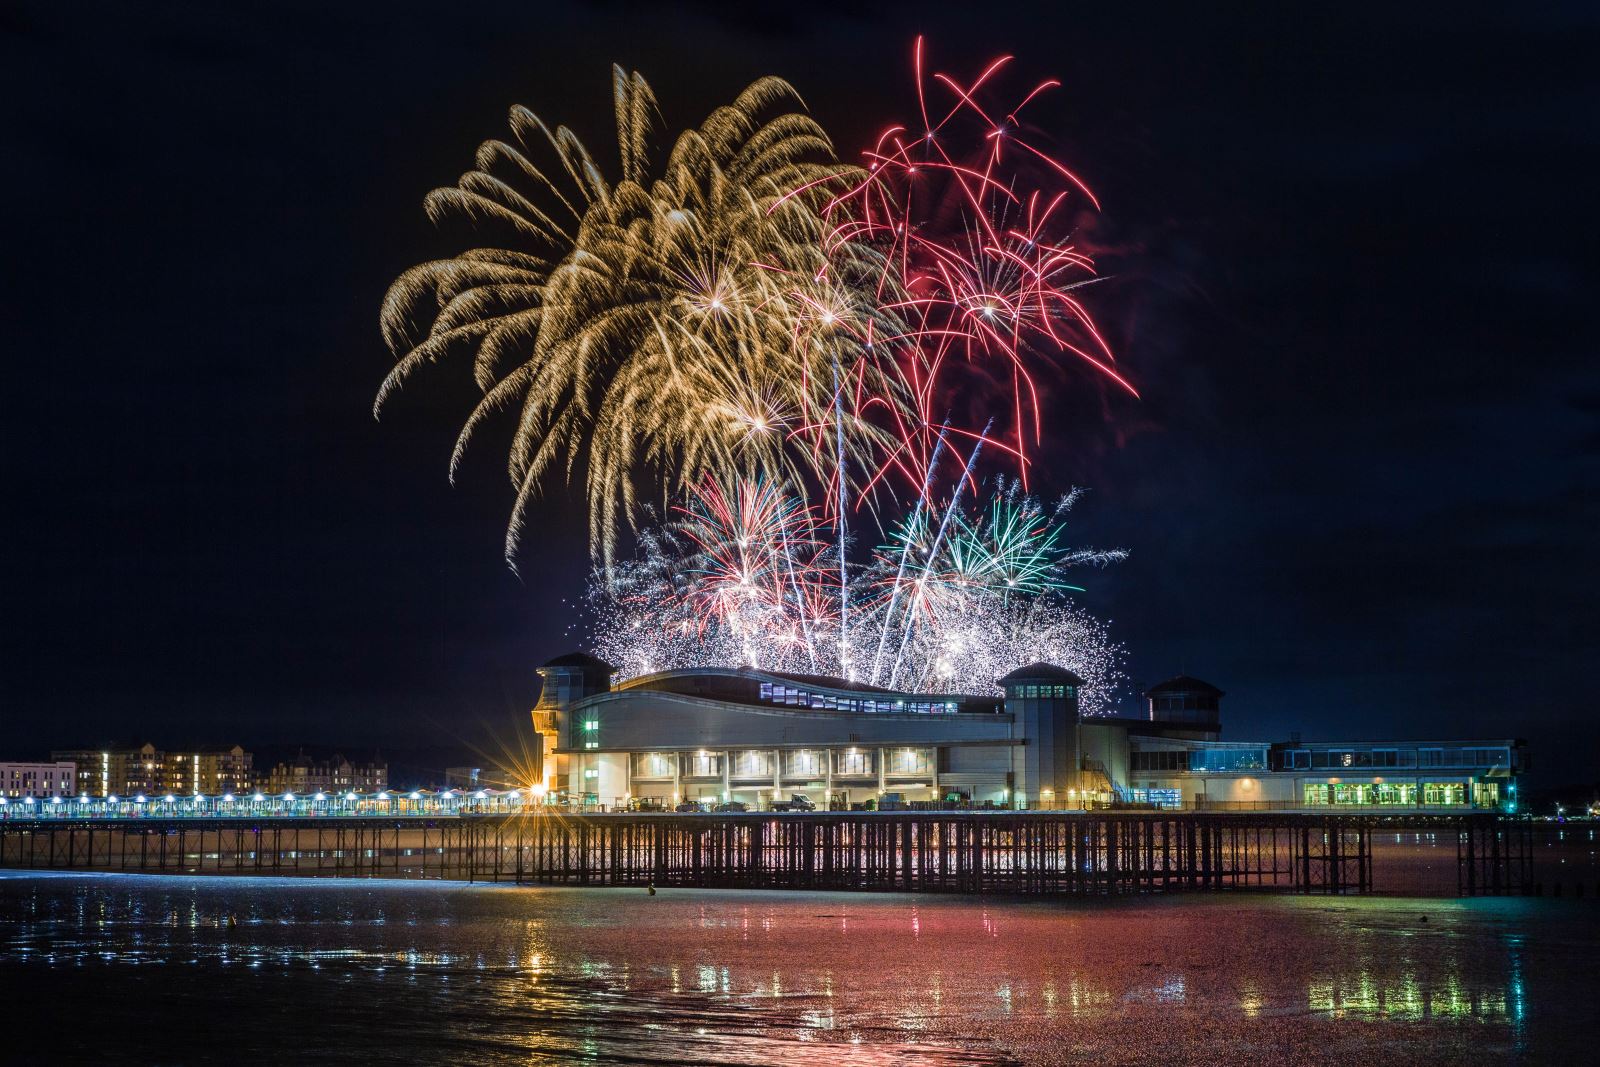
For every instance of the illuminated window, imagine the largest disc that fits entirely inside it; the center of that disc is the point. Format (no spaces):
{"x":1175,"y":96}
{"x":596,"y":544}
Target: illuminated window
{"x":705,"y":765}
{"x":653,"y":765}
{"x":802,"y":763}
{"x":852,"y":761}
{"x":753,"y":763}
{"x":1444,"y":794}
{"x":910,"y":761}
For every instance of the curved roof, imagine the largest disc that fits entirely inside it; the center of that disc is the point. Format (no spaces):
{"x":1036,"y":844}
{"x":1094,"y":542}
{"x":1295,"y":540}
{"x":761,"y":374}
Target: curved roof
{"x":743,"y":684}
{"x":581,"y":659}
{"x":1183,"y":683}
{"x":1040,"y":671}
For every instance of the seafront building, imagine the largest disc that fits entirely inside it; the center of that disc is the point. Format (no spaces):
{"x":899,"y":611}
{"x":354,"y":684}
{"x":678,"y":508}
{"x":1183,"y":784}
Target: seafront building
{"x":55,"y":779}
{"x":131,"y":770}
{"x":304,"y":775}
{"x":740,"y":735}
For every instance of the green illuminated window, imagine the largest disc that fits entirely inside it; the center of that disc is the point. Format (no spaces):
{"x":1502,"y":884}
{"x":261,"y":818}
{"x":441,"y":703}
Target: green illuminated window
{"x":591,"y":724}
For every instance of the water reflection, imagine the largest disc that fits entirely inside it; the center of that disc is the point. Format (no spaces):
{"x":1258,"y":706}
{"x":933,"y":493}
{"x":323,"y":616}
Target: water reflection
{"x":612,"y":975}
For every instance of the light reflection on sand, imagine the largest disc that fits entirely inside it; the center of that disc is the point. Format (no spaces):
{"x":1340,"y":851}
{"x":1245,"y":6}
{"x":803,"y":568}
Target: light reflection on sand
{"x":541,"y":975}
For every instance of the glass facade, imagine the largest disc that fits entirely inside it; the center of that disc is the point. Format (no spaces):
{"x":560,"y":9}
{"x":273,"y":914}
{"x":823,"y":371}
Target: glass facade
{"x":1041,"y":692}
{"x":793,"y":696}
{"x":1209,"y":759}
{"x":1400,"y":794}
{"x":1379,"y":756}
{"x":1161,"y":798}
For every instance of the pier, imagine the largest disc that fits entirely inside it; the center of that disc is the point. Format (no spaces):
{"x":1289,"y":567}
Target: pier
{"x":1019,"y":853}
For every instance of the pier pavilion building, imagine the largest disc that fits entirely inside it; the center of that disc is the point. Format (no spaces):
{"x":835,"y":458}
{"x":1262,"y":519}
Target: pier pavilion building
{"x":716,"y":735}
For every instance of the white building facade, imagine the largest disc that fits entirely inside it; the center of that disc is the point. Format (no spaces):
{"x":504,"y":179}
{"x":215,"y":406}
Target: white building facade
{"x":54,"y":779}
{"x":714,"y":736}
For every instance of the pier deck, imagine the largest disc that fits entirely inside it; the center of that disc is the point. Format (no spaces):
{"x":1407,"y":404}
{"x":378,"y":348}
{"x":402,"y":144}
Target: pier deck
{"x":1026,"y":853}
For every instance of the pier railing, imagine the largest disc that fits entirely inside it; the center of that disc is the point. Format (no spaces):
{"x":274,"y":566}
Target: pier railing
{"x":954,"y":852}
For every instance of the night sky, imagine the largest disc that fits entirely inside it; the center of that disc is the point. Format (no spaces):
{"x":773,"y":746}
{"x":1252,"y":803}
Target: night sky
{"x":1353,"y":256}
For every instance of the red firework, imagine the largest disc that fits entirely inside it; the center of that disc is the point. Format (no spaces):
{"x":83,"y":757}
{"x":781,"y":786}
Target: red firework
{"x":972,"y":218}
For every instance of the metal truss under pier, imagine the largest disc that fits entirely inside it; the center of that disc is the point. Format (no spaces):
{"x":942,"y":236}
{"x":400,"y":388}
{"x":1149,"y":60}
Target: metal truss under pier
{"x":1026,"y":853}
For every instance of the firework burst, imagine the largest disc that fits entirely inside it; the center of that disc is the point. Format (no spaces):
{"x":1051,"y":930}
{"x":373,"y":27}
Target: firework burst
{"x":689,"y":318}
{"x":974,"y":223}
{"x":746,"y":575}
{"x":775,"y":339}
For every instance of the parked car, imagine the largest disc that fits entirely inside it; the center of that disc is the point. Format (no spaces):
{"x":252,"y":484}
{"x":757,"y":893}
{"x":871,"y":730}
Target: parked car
{"x":647,"y":804}
{"x":796,"y":802}
{"x":732,"y":805}
{"x":892,"y":802}
{"x":690,"y":807}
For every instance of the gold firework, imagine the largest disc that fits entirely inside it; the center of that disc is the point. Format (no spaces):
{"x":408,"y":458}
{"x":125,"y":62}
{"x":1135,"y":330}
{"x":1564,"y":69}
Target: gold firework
{"x":689,"y":319}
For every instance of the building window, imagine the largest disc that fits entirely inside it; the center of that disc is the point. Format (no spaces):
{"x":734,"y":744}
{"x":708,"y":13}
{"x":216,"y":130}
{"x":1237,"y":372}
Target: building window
{"x":1159,"y":760}
{"x":1161,"y":798}
{"x":803,"y":763}
{"x":753,"y":763}
{"x":1444,"y":794}
{"x":854,"y":761}
{"x":705,"y":765}
{"x":653,"y":765}
{"x":904,"y":761}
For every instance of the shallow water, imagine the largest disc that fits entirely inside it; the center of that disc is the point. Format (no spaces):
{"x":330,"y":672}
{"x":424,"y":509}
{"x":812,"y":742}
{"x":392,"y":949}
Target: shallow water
{"x":177,"y":970}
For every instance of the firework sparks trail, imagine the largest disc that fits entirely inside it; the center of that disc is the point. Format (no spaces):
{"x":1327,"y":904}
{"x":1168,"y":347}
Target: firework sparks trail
{"x":933,"y":553}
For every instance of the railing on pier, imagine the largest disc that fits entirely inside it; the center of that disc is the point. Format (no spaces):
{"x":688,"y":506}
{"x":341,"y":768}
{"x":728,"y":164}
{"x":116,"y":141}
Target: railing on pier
{"x":951,"y":852}
{"x":379,"y":804}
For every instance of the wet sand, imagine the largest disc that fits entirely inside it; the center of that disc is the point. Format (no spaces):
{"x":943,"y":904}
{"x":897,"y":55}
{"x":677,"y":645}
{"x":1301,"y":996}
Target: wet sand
{"x":146,"y":969}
